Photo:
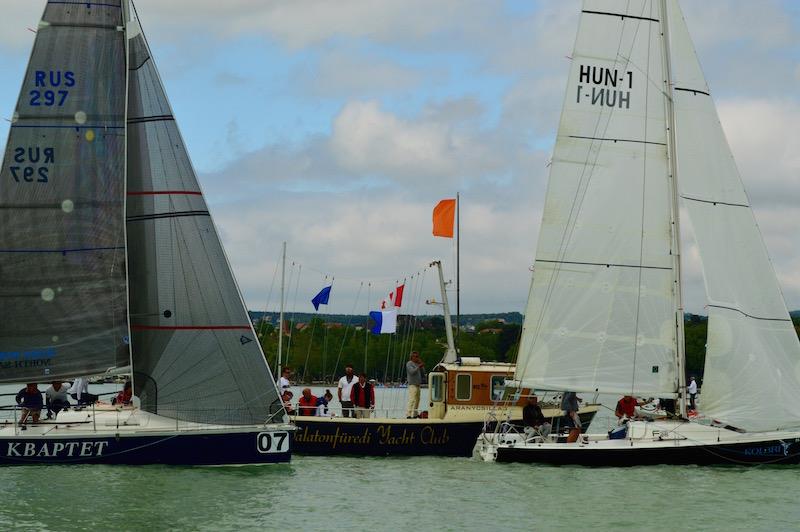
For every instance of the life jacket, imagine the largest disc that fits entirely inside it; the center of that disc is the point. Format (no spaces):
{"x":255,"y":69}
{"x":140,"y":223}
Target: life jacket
{"x":366,"y":402}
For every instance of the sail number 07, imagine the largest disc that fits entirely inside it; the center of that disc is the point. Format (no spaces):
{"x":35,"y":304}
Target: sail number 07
{"x":272,"y":442}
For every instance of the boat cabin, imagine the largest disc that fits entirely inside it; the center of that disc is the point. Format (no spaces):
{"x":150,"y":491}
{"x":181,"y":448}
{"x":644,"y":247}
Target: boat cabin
{"x":471,"y":388}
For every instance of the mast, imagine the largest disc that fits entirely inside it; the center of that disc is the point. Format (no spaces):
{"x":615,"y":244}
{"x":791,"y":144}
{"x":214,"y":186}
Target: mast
{"x":680,"y":351}
{"x":126,"y":21}
{"x":280,"y":318}
{"x":458,"y":264}
{"x":451,"y":354}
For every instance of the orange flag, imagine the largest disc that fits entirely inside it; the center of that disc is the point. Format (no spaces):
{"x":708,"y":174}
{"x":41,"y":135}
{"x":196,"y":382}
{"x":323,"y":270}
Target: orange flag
{"x":443,"y":218}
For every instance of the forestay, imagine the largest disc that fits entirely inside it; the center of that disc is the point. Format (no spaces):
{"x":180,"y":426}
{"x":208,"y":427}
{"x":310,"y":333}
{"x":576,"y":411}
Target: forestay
{"x":753,"y":354}
{"x":62,"y":255}
{"x":195,"y":354}
{"x":601,"y":308}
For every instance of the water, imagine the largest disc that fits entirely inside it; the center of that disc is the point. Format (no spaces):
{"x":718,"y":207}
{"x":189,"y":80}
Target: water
{"x":336,"y":493}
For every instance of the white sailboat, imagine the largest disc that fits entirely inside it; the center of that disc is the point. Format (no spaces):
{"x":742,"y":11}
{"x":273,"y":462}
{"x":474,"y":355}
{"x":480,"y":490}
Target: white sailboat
{"x":639,"y":137}
{"x":109,"y":258}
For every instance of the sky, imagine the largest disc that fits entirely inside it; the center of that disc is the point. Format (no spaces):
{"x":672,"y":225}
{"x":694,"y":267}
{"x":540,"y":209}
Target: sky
{"x":336,"y":126}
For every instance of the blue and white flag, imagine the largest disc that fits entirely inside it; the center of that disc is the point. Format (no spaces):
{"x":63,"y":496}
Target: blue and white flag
{"x":321,"y":298}
{"x":385,"y":321}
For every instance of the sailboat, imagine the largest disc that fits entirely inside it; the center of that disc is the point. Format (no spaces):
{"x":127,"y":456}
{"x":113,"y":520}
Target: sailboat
{"x":109,"y":260}
{"x":639,"y":136}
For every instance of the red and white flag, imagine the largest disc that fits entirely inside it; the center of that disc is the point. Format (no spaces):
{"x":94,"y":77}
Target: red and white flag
{"x":395,"y":298}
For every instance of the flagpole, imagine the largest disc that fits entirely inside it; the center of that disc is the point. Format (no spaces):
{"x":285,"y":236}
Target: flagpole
{"x":458,"y":265}
{"x":280,"y":318}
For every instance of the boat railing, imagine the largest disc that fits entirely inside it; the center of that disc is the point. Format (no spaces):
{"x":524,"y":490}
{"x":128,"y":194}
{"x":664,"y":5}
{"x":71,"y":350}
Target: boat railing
{"x":377,"y":412}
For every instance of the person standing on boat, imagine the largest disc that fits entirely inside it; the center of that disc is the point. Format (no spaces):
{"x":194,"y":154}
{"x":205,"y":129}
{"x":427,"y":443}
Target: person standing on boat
{"x":283,"y":382}
{"x":56,"y":398}
{"x":570,"y":405}
{"x":345,"y":387}
{"x":30,"y":399}
{"x":535,"y":422}
{"x":307,"y":405}
{"x":414,"y":372}
{"x":363,"y":397}
{"x":80,"y":391}
{"x":692,"y":393}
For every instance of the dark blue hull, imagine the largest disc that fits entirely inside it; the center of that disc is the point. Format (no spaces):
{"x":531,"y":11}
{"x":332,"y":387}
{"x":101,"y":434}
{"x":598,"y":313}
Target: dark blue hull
{"x":389,"y":437}
{"x":187,"y":448}
{"x":759,"y":453}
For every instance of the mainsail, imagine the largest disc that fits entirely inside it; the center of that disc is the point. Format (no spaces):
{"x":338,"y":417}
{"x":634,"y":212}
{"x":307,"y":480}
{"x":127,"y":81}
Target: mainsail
{"x":753,"y":353}
{"x":195,"y":354}
{"x":62,"y":254}
{"x":601,"y":308}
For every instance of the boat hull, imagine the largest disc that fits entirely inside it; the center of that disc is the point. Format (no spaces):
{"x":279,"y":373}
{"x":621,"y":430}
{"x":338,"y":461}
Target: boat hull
{"x":752,"y":453}
{"x":198,"y":447}
{"x":390,"y":437}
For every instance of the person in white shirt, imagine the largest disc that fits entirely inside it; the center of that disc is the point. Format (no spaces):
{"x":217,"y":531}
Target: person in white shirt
{"x":692,"y":394}
{"x":283,"y":382}
{"x":56,"y":398}
{"x":80,"y":391}
{"x":345,"y":387}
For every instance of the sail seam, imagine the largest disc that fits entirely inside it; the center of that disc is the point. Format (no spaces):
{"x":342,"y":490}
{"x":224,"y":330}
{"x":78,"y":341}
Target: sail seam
{"x":750,"y":315}
{"x":64,"y":251}
{"x":621,"y":15}
{"x":73,"y":126}
{"x":694,"y":91}
{"x":607,"y":265}
{"x":618,"y":140}
{"x":161,"y":215}
{"x":140,"y":64}
{"x":111,"y":27}
{"x":87,"y":4}
{"x":154,"y":118}
{"x":190,"y":327}
{"x":164,"y":192}
{"x":715,"y":202}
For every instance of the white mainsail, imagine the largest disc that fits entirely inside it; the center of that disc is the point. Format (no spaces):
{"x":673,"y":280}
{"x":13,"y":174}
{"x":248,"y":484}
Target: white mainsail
{"x":753,"y":354}
{"x":601,"y":309}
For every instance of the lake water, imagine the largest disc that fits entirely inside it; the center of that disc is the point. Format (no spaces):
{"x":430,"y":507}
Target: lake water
{"x":335,"y":493}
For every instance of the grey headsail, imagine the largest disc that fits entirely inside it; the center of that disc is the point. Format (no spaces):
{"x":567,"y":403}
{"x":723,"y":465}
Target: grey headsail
{"x":195,"y":354}
{"x":62,"y":240}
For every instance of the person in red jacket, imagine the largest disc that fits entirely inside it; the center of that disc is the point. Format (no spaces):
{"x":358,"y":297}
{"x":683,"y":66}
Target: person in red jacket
{"x":307,"y":405}
{"x":363,"y":397}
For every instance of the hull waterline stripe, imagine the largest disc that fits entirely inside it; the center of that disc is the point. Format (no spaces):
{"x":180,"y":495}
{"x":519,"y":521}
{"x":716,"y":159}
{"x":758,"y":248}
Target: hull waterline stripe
{"x":155,"y":118}
{"x":750,"y":315}
{"x":621,"y":15}
{"x":694,"y":91}
{"x":714,"y":202}
{"x":166,"y":215}
{"x":164,"y":192}
{"x":191,"y":328}
{"x":62,"y":251}
{"x":618,"y":140}
{"x":607,"y":265}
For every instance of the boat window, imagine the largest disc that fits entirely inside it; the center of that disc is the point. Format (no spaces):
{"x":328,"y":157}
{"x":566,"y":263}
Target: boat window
{"x":498,"y":387}
{"x":437,"y":388}
{"x":463,"y":386}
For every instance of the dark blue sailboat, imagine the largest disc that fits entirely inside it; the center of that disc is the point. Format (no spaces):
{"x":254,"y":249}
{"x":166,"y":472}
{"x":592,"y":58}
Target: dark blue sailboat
{"x":109,"y":259}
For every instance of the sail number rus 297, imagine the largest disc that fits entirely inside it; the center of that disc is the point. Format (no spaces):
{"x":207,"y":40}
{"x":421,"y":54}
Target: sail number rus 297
{"x":606,"y":87}
{"x":32,"y":164}
{"x":51,"y":87}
